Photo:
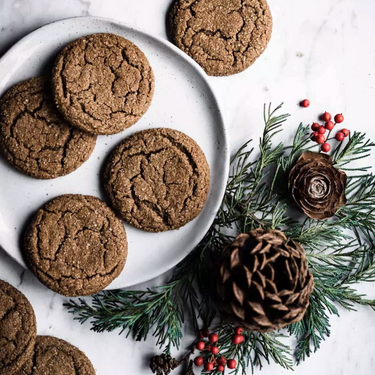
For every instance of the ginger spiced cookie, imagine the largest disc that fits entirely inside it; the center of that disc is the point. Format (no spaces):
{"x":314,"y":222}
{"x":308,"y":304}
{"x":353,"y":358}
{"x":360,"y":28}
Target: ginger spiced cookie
{"x":158,"y":179}
{"x":34,"y":137}
{"x":76,"y":245}
{"x":53,"y":356}
{"x":223,"y":36}
{"x":17,"y":329}
{"x":102,"y":83}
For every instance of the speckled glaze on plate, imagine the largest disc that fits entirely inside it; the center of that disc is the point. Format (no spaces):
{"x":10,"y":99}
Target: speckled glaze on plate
{"x":183,"y":100}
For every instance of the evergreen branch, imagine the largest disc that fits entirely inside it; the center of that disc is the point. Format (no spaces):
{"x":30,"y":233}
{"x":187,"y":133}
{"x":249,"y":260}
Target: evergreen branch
{"x":300,"y":141}
{"x":356,"y":148}
{"x":359,"y":210}
{"x":314,"y":327}
{"x":134,"y":311}
{"x":273,"y":348}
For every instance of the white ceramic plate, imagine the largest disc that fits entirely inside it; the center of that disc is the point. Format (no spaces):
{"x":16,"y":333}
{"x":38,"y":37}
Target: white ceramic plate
{"x":183,"y":100}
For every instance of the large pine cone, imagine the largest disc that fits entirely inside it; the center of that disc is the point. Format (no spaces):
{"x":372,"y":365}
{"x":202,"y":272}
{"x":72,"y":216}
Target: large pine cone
{"x":262,"y":281}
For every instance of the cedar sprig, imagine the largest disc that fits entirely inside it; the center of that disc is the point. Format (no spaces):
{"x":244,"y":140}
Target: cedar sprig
{"x":355,"y":149}
{"x":136,"y":312}
{"x":359,"y":211}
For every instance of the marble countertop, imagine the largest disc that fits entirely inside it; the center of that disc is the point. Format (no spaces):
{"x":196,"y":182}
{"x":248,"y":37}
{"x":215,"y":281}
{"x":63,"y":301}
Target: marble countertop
{"x":323,"y":50}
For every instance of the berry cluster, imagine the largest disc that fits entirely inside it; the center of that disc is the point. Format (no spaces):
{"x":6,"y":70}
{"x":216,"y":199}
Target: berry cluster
{"x":318,"y":134}
{"x":212,"y":351}
{"x":319,"y":130}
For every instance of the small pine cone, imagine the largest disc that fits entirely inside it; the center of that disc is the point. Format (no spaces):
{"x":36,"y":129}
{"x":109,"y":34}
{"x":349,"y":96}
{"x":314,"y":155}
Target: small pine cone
{"x":317,"y":187}
{"x":262,"y":281}
{"x":189,"y":370}
{"x":163,"y":364}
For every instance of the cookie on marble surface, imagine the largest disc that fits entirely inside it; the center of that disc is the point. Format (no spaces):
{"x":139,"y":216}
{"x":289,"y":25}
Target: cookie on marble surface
{"x":34,"y":137}
{"x":102,"y":83}
{"x":225,"y":37}
{"x":17,"y":329}
{"x":158,"y":179}
{"x":76,"y":245}
{"x":53,"y":356}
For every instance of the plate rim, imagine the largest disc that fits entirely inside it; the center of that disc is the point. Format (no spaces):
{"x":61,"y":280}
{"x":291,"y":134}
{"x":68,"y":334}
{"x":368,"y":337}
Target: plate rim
{"x":202,"y":75}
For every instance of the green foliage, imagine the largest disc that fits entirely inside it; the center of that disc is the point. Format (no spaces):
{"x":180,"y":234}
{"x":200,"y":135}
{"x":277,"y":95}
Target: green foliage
{"x":340,"y":253}
{"x":257,"y":348}
{"x":135,"y":311}
{"x":355,"y":149}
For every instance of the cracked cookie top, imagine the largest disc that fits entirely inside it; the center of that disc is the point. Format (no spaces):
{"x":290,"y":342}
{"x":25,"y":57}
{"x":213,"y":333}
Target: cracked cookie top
{"x":76,"y":245}
{"x":17,"y":329}
{"x":158,"y":179}
{"x":34,"y":137}
{"x":53,"y":356}
{"x":223,"y":36}
{"x":102,"y":83}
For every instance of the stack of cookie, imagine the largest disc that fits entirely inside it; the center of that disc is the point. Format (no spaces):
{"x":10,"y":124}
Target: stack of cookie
{"x":22,"y":352}
{"x":101,"y":84}
{"x":156,"y":180}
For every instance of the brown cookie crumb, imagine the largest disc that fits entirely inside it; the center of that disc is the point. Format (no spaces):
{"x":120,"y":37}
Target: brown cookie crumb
{"x":34,"y":138}
{"x":225,"y":37}
{"x":76,"y":245}
{"x":53,"y":356}
{"x":102,"y":83}
{"x":158,"y":179}
{"x":17,"y":329}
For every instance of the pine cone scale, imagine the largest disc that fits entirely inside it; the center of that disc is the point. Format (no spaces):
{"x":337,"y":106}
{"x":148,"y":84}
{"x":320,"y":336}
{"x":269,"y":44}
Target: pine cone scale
{"x":239,"y":294}
{"x":292,"y":298}
{"x":248,"y":276}
{"x":273,"y":296}
{"x":238,"y":311}
{"x":235,"y":259}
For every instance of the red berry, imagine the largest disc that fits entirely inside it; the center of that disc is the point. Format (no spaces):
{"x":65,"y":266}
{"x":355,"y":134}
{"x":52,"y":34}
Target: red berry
{"x":220,"y":368}
{"x":329,"y":125}
{"x":198,"y":361}
{"x":326,"y":116}
{"x":232,"y":364}
{"x":345,"y":132}
{"x":213,"y":337}
{"x":314,"y":135}
{"x":221,"y":361}
{"x":205,"y":332}
{"x":340,"y":136}
{"x":321,"y":130}
{"x":209,"y":348}
{"x":239,"y":330}
{"x":320,"y":139}
{"x":208,"y":366}
{"x":237,"y":339}
{"x":305,"y":103}
{"x":214,"y":350}
{"x":315,"y":126}
{"x":200,"y":335}
{"x":326,"y":147}
{"x":200,"y":345}
{"x":339,"y":118}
